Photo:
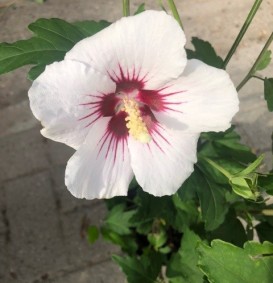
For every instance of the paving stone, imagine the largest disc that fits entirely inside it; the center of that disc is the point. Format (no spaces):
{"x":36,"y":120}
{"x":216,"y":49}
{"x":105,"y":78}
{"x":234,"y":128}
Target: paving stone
{"x":75,"y":225}
{"x":107,"y":272}
{"x":2,"y":224}
{"x":257,"y":124}
{"x":36,"y":245}
{"x":66,"y":200}
{"x":2,"y":211}
{"x":16,"y":118}
{"x":59,"y":153}
{"x":4,"y":272}
{"x":21,"y":154}
{"x":13,"y":86}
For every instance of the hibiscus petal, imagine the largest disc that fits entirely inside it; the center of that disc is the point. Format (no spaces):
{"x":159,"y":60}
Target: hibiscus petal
{"x":61,"y":98}
{"x":162,"y":165}
{"x":100,"y":168}
{"x":146,"y":48}
{"x":202,"y":99}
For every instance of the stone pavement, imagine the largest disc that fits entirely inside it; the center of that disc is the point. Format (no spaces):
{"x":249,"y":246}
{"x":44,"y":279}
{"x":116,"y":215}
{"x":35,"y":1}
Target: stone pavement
{"x":42,"y":227}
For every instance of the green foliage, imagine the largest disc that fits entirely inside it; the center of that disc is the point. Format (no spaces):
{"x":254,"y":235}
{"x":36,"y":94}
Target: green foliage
{"x":143,"y":269}
{"x":51,"y":40}
{"x":35,"y":71}
{"x":264,"y":61}
{"x":118,"y":220}
{"x":59,"y":33}
{"x":182,"y":267}
{"x":126,"y":242}
{"x":244,"y":182}
{"x":157,"y":237}
{"x":204,"y":52}
{"x":140,"y":9}
{"x":268,"y":93}
{"x":33,"y":51}
{"x":89,"y":28}
{"x":225,"y":263}
{"x":93,"y":234}
{"x":207,"y":207}
{"x":225,"y":145}
{"x":212,"y":199}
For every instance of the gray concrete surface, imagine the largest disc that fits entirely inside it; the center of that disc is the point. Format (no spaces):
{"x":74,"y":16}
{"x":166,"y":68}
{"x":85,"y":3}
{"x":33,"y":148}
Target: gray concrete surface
{"x":42,"y":226}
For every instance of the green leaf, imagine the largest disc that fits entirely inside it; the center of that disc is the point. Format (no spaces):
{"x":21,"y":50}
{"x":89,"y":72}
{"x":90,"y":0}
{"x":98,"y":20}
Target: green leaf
{"x":165,"y":250}
{"x":268,"y":93}
{"x":212,"y":200}
{"x":241,"y":187}
{"x":151,"y":208}
{"x":126,"y":242}
{"x":225,"y":263}
{"x":60,"y":33}
{"x":93,"y":234}
{"x":251,"y":167}
{"x":264,"y":61}
{"x":243,"y":183}
{"x":143,"y":269}
{"x":35,"y":72}
{"x":140,"y":9}
{"x":34,"y":51}
{"x":187,"y":213}
{"x":52,"y":39}
{"x":227,"y":145}
{"x":255,"y":248}
{"x":118,"y":220}
{"x":204,"y":52}
{"x":112,"y":202}
{"x":158,"y":237}
{"x":89,"y":28}
{"x":182,"y":267}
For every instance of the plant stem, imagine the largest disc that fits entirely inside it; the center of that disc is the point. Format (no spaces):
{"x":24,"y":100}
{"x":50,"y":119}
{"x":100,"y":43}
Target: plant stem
{"x":253,"y":69}
{"x":218,"y":167}
{"x":175,"y":12}
{"x":243,"y":30}
{"x":126,"y":8}
{"x":258,"y":77}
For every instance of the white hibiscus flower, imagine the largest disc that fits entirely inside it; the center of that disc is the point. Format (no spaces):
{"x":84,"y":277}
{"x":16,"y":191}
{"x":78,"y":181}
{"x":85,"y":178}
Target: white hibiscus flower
{"x":131,"y":104}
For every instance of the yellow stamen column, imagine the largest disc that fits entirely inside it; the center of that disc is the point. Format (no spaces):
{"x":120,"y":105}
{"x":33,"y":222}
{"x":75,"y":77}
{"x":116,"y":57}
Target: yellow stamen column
{"x":135,"y":124}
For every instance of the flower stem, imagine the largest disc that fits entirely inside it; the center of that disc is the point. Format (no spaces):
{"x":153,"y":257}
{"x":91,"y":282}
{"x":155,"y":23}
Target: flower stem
{"x":175,"y":12}
{"x":258,"y":77}
{"x":126,"y":8}
{"x":218,"y":167}
{"x":253,"y":69}
{"x":243,"y":30}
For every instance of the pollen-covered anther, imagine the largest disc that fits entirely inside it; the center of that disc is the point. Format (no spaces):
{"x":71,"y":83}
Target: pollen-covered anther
{"x":134,"y":122}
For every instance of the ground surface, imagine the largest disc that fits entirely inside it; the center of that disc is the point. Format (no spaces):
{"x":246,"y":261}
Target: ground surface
{"x":41,"y":225}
